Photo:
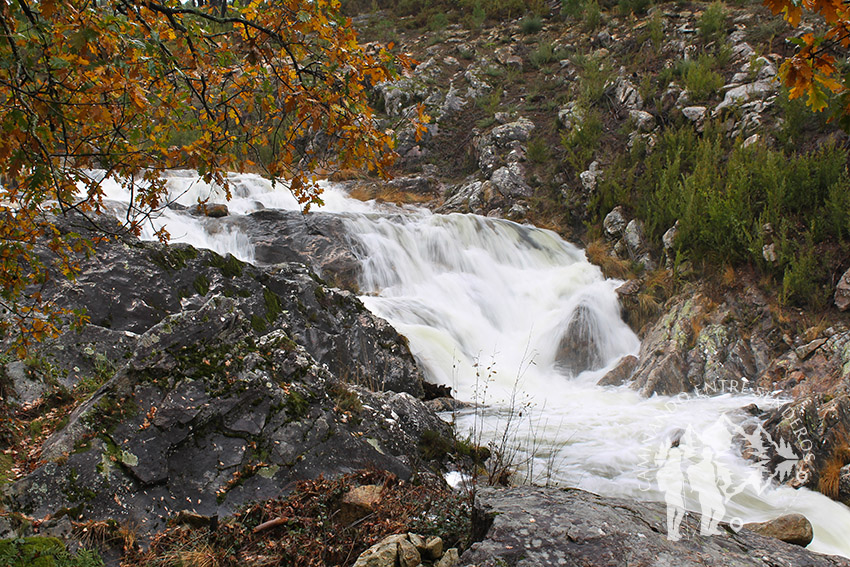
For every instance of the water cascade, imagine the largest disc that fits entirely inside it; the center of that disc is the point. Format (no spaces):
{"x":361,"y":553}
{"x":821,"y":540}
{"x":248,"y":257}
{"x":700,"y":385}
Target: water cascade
{"x":522,"y":326}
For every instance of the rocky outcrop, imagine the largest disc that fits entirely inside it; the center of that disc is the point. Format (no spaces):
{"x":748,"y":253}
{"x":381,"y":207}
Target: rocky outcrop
{"x":224,"y":383}
{"x":500,"y":154}
{"x":317,"y":240}
{"x":699,"y":345}
{"x":815,"y":427}
{"x":539,"y":526}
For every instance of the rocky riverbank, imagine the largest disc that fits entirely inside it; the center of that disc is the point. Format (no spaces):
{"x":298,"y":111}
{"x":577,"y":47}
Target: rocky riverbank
{"x":203,"y":384}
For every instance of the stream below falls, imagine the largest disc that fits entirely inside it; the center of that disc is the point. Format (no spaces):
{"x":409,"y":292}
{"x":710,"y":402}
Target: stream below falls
{"x":484,"y":304}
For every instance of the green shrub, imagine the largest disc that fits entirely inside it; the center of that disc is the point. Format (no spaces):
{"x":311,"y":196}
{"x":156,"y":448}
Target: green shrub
{"x":637,"y":7}
{"x":543,"y":55}
{"x":712,"y":23}
{"x":655,"y":30}
{"x":531,"y":24}
{"x":477,"y":16}
{"x":594,"y":78}
{"x":592,"y":18}
{"x":572,"y":9}
{"x":582,"y":141}
{"x":44,"y":552}
{"x":438,"y":22}
{"x":731,"y":201}
{"x":538,"y":150}
{"x":700,"y":78}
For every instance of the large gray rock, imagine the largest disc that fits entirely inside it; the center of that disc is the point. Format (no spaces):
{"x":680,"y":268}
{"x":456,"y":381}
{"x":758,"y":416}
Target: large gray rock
{"x":227,"y":382}
{"x":530,"y":526}
{"x":621,"y":373}
{"x":752,"y":91}
{"x":637,"y":245}
{"x":517,"y":131}
{"x":318,"y":240}
{"x":615,"y":222}
{"x":699,"y":345}
{"x":590,"y":177}
{"x":842,"y":292}
{"x":510,"y":182}
{"x":470,"y":197}
{"x":570,"y":116}
{"x":626,"y":95}
{"x":790,"y":528}
{"x":578,"y":350}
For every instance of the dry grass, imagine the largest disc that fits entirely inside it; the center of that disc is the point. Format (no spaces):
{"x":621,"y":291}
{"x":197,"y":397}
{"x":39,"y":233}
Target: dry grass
{"x":729,"y":277}
{"x":830,"y":473}
{"x":599,"y":252}
{"x":307,"y":530}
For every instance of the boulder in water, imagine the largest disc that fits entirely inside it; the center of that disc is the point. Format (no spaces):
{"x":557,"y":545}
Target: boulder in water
{"x":621,"y":373}
{"x":212,"y":210}
{"x":578,"y":349}
{"x":790,"y":528}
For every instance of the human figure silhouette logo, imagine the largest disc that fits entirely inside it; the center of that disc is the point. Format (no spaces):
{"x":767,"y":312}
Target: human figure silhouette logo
{"x":692,"y":470}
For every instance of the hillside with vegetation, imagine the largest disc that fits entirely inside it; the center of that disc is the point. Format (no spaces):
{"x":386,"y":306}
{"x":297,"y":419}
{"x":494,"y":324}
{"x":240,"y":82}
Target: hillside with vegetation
{"x":214,"y":412}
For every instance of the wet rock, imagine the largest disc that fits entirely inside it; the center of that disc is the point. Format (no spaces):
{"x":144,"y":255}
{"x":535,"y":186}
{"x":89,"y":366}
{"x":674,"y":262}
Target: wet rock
{"x":744,"y":93}
{"x":570,"y":116}
{"x":698,"y":345}
{"x":470,"y":197}
{"x":417,"y":184}
{"x":621,"y":373}
{"x":510,"y":181}
{"x":590,"y":177}
{"x":791,"y":528}
{"x":212,"y":210}
{"x":812,"y":427}
{"x":615,"y":222}
{"x":540,"y":526}
{"x":577,"y":350}
{"x":317,"y":240}
{"x":224,"y":393}
{"x":629,"y":289}
{"x":842,"y":292}
{"x":626,"y":95}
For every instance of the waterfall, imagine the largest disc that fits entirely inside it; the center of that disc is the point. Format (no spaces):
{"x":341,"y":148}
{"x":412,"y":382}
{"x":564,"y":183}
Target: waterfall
{"x":522,"y":326}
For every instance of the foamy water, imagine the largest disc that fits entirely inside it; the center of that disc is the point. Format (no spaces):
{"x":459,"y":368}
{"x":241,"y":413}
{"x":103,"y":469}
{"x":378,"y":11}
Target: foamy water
{"x":484,"y":304}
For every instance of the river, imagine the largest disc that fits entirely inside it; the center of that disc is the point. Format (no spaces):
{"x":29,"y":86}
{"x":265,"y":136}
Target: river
{"x":484,"y":304}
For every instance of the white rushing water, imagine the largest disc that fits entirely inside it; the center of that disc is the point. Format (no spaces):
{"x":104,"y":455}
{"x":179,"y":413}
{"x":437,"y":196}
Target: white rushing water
{"x":484,"y":304}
